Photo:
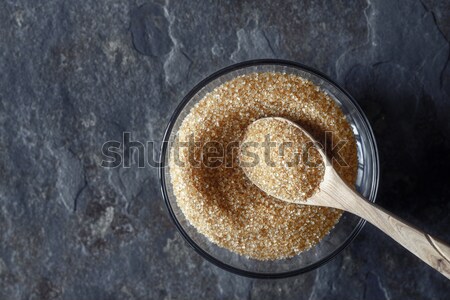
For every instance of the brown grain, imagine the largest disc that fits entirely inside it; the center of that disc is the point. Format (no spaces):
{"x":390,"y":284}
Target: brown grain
{"x":281,"y":160}
{"x":219,"y":201}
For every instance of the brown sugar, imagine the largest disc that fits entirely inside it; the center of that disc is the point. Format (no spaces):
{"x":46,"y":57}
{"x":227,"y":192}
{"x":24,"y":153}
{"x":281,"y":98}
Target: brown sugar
{"x":284,"y":161}
{"x":213,"y":191}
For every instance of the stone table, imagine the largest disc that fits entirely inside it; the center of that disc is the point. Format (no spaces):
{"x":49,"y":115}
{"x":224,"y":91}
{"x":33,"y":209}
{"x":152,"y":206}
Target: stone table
{"x":75,"y":74}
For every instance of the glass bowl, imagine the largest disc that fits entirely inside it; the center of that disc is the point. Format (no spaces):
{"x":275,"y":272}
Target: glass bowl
{"x":348,"y":226}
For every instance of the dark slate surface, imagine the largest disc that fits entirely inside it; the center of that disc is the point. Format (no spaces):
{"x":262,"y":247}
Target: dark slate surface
{"x":75,"y":74}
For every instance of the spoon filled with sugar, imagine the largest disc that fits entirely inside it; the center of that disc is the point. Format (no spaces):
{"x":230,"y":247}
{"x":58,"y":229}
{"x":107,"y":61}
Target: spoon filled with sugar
{"x":285,"y":161}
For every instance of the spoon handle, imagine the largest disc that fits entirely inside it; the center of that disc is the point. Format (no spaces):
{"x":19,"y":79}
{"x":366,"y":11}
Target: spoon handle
{"x":429,"y":249}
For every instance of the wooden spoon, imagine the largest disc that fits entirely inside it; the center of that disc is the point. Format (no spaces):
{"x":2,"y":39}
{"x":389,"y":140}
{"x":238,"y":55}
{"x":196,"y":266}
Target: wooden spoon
{"x":334,"y":192}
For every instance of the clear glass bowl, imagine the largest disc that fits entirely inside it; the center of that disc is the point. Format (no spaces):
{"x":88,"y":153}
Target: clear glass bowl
{"x":348,"y":226}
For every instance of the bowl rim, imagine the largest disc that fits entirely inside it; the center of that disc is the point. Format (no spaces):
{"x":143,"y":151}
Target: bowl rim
{"x":164,"y":147}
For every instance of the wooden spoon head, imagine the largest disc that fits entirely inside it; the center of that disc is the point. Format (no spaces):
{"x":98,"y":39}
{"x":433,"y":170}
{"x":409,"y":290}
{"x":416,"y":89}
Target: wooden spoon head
{"x":301,"y":183}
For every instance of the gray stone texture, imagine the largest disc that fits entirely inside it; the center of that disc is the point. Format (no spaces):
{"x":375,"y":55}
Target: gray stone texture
{"x":75,"y":74}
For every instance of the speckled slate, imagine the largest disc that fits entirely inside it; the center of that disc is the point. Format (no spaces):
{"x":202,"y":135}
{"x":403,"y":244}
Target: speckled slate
{"x":74,"y":74}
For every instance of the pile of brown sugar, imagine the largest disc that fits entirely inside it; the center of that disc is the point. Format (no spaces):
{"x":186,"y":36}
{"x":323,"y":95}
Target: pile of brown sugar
{"x":216,"y":196}
{"x":281,"y":159}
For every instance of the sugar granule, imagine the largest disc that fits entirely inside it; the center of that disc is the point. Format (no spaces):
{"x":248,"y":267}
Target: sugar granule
{"x":221,"y":202}
{"x":284,"y":162}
